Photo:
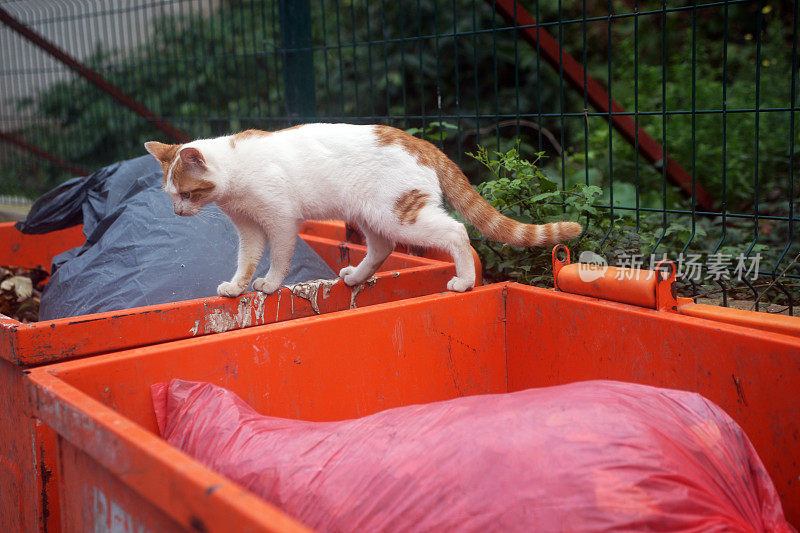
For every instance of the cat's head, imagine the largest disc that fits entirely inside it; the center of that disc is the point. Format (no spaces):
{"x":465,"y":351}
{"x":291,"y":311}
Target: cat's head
{"x":187,"y":178}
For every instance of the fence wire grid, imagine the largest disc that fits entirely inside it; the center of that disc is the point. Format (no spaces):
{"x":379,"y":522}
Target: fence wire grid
{"x":677,"y":120}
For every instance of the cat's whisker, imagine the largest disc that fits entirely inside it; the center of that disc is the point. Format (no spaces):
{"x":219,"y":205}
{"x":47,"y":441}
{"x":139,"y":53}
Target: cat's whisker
{"x":211,"y":216}
{"x":211,"y":212}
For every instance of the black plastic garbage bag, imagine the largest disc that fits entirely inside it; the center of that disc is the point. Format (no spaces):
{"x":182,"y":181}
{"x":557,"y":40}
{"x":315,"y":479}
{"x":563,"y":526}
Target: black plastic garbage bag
{"x":137,"y":251}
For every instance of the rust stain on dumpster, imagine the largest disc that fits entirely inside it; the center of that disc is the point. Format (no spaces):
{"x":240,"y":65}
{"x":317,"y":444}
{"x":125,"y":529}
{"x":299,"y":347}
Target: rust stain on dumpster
{"x":344,"y":254}
{"x":46,"y":474}
{"x":739,"y":390}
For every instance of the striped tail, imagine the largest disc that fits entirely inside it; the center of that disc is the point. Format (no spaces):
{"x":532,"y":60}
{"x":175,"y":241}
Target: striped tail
{"x":489,"y":221}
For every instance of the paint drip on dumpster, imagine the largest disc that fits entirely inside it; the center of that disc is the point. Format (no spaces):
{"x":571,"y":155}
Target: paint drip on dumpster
{"x":251,"y":308}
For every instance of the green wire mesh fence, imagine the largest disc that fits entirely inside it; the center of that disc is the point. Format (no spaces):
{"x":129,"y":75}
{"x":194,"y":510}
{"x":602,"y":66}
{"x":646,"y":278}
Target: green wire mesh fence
{"x":665,"y":127}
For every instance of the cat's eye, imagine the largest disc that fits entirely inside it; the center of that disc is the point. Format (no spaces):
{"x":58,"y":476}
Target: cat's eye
{"x":186,"y":195}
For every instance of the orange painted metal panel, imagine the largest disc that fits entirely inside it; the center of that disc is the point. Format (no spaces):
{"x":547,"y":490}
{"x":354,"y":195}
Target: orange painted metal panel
{"x":338,"y":254}
{"x":336,"y":230}
{"x":18,"y":249}
{"x":401,"y":276}
{"x":28,"y":480}
{"x":329,"y":229}
{"x":322,"y":368}
{"x":328,"y":367}
{"x":16,"y":488}
{"x":193,"y":494}
{"x":56,"y":340}
{"x":788,"y":325}
{"x":494,"y":339}
{"x":47,"y":477}
{"x":96,"y":502}
{"x":27,"y":448}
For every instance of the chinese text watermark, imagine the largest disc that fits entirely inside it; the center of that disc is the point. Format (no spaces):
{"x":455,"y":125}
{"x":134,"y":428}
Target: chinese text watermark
{"x":689,"y":267}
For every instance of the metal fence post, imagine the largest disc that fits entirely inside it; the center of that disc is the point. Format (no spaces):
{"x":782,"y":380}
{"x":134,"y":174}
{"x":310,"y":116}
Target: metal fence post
{"x":298,"y":59}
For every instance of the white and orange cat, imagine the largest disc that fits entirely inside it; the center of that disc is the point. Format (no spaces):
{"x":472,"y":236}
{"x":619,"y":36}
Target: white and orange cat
{"x":384,"y":181}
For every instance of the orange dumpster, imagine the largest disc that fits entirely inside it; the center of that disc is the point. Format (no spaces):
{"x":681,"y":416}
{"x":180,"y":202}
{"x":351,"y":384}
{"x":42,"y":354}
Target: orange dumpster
{"x":113,"y":468}
{"x":28,"y":501}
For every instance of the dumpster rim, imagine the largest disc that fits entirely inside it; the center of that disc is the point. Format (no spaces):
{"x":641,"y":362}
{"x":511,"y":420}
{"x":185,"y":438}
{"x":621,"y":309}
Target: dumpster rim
{"x":217,"y":498}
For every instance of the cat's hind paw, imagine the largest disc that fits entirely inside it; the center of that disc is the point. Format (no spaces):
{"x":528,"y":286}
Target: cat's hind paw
{"x":459,"y":285}
{"x":229,"y":290}
{"x":267,"y":287}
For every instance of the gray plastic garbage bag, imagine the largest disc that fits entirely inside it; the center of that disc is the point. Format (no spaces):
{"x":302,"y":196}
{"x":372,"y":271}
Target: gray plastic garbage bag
{"x":137,"y":251}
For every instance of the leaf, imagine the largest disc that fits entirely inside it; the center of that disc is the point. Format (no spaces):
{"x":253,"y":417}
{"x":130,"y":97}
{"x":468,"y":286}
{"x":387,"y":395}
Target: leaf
{"x":543,"y":196}
{"x":546,"y":184}
{"x":590,"y":191}
{"x":444,"y":125}
{"x":675,"y":228}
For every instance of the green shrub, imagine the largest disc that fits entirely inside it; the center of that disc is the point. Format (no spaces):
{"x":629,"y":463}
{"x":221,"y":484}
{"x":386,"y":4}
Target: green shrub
{"x":521,"y":190}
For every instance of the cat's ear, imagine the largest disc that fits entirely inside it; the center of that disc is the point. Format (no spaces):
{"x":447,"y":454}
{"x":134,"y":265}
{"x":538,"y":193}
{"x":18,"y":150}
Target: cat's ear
{"x":160,"y":151}
{"x":193,"y":157}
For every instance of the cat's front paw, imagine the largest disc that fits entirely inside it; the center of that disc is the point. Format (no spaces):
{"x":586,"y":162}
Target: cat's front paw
{"x":347,"y":275}
{"x":459,"y":285}
{"x":229,"y":290}
{"x":267,"y":287}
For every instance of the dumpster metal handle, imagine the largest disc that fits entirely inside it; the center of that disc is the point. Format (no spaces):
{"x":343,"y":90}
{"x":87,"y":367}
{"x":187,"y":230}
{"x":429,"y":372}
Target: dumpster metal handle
{"x":654,"y":289}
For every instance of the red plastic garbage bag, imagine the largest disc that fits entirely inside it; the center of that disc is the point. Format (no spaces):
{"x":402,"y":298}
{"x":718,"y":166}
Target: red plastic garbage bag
{"x":589,"y":456}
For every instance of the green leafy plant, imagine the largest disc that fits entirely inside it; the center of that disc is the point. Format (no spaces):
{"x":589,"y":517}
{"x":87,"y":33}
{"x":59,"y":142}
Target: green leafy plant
{"x":520,"y":190}
{"x":436,"y":131}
